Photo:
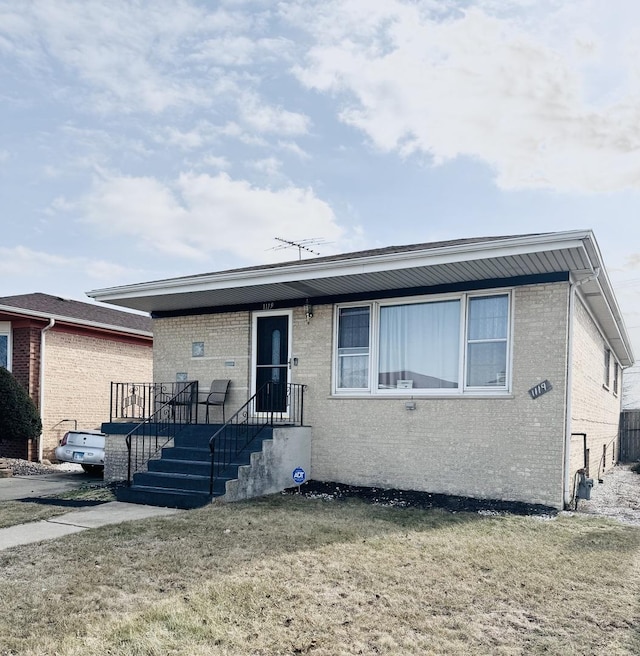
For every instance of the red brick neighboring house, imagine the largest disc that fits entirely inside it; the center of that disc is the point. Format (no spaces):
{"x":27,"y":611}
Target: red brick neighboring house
{"x":65,"y":353}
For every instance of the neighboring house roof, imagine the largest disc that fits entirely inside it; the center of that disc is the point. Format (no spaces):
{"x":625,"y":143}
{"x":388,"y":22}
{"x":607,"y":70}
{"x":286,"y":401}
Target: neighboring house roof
{"x":44,"y":306}
{"x":410,"y":267}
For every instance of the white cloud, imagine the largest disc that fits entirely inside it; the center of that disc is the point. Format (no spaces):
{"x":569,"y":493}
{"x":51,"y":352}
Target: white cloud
{"x":294,"y":148}
{"x":197,"y":216}
{"x":269,"y":166}
{"x":41,"y":266}
{"x":133,"y":57}
{"x":499,"y":85}
{"x":216,"y":162}
{"x":265,"y":118}
{"x":196,"y":137}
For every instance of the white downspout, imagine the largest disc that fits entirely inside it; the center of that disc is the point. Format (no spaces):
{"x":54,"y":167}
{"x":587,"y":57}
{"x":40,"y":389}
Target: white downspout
{"x":41,"y":402}
{"x":567,"y":492}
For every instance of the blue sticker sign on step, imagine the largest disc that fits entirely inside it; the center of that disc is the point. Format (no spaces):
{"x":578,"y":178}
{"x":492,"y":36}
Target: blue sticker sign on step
{"x":299,"y":476}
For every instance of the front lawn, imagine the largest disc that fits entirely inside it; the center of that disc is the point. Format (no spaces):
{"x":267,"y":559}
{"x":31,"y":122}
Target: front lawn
{"x":292,"y":575}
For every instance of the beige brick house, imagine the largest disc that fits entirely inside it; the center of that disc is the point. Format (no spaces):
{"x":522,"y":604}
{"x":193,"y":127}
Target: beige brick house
{"x":477,"y":367}
{"x":65,"y":354}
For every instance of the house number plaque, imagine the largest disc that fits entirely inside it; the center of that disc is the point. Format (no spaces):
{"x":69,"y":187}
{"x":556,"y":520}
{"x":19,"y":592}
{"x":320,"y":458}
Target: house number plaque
{"x":540,"y":389}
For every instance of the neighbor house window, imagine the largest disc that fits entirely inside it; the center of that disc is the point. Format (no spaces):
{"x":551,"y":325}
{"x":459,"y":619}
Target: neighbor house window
{"x":353,"y":348}
{"x":607,"y":366}
{"x":5,"y":344}
{"x":4,"y":351}
{"x":197,"y":349}
{"x":451,"y":344}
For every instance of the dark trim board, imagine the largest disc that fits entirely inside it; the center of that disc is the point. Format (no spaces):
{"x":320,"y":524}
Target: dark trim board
{"x":470,"y":285}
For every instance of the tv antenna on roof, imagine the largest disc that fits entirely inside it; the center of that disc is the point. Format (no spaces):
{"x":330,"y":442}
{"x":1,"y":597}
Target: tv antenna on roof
{"x":301,"y":245}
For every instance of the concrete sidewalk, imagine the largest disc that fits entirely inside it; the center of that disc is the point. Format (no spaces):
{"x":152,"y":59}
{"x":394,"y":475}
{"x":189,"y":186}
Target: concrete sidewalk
{"x":113,"y":512}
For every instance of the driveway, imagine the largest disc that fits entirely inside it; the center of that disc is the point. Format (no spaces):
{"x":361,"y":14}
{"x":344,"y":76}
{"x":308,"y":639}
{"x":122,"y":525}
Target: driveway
{"x":21,"y":487}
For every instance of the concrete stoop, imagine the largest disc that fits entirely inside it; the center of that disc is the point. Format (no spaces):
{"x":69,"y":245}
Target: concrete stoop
{"x":180,"y":477}
{"x":271,"y":469}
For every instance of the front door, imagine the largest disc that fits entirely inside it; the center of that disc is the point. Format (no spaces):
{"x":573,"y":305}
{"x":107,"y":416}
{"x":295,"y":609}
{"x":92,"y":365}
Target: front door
{"x":271,"y":356}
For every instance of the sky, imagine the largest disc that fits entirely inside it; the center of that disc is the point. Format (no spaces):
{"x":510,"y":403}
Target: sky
{"x":142,"y":140}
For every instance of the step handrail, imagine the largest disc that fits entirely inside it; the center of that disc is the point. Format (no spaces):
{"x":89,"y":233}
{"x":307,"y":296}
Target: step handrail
{"x":273,"y":403}
{"x":173,"y":413}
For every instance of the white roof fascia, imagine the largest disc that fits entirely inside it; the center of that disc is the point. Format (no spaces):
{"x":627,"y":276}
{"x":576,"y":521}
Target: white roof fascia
{"x":11,"y":309}
{"x":606,"y":289}
{"x":356,"y":265}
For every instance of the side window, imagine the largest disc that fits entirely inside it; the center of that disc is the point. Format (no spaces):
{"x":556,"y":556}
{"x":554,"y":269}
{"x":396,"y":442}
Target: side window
{"x":5,"y":344}
{"x":353,"y":348}
{"x":4,"y":351}
{"x":607,"y":367}
{"x":487,"y":336}
{"x":616,"y":376}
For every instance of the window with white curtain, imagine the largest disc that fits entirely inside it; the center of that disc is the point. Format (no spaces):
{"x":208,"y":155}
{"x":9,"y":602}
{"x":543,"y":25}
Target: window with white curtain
{"x":419,"y":345}
{"x":448,"y":345}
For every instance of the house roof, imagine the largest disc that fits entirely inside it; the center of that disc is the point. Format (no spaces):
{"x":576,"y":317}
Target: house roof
{"x":44,"y":306}
{"x":407,"y":267}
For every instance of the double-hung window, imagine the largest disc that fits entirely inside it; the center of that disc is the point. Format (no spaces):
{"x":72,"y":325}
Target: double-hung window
{"x":487,"y":332}
{"x":353,"y":348}
{"x":448,"y":345}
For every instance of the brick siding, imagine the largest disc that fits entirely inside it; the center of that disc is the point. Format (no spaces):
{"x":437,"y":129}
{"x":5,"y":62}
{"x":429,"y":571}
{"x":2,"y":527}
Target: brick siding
{"x":78,"y":373}
{"x":595,"y":409}
{"x":509,"y":447}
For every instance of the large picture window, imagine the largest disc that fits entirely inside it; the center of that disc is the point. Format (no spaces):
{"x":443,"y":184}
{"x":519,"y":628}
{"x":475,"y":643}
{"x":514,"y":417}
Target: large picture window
{"x":446,"y":345}
{"x":419,"y":345}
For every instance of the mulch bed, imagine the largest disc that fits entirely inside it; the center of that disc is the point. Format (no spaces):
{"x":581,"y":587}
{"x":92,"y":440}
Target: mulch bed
{"x":414,"y":499}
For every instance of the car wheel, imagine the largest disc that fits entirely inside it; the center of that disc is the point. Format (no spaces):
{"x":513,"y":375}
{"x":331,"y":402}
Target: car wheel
{"x":94,"y":470}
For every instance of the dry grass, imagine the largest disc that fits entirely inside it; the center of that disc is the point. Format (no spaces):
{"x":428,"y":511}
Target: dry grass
{"x":289,"y":575}
{"x":22,"y":512}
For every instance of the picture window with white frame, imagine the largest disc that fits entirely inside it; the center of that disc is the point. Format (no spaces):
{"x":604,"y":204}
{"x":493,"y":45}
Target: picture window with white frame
{"x":444,"y":345}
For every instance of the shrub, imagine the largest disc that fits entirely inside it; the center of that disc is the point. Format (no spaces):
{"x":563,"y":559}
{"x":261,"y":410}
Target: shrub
{"x":636,"y":468}
{"x":19,"y":418}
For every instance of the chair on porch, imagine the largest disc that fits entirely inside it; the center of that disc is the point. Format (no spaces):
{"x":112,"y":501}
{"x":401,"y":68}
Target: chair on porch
{"x":186,"y":394}
{"x":179,"y":402}
{"x":217,"y":396}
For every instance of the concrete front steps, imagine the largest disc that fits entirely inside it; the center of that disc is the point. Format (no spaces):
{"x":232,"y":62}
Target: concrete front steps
{"x":180,"y":478}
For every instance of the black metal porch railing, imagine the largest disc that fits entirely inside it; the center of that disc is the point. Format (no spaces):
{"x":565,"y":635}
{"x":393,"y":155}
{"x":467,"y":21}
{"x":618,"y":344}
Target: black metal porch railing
{"x":138,"y":401}
{"x":274,"y":404}
{"x":172,"y":412}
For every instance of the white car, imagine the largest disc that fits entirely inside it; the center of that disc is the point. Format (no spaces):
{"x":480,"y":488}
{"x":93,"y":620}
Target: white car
{"x":84,"y":447}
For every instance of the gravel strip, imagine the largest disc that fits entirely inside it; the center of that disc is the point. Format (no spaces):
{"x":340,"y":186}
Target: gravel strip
{"x":26,"y":468}
{"x":617,"y":497}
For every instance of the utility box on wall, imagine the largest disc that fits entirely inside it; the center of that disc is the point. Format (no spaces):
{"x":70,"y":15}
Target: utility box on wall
{"x":585,"y":486}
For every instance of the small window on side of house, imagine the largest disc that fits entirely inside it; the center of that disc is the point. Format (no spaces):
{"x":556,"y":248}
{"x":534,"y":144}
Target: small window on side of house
{"x":616,"y":376}
{"x":607,"y":367}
